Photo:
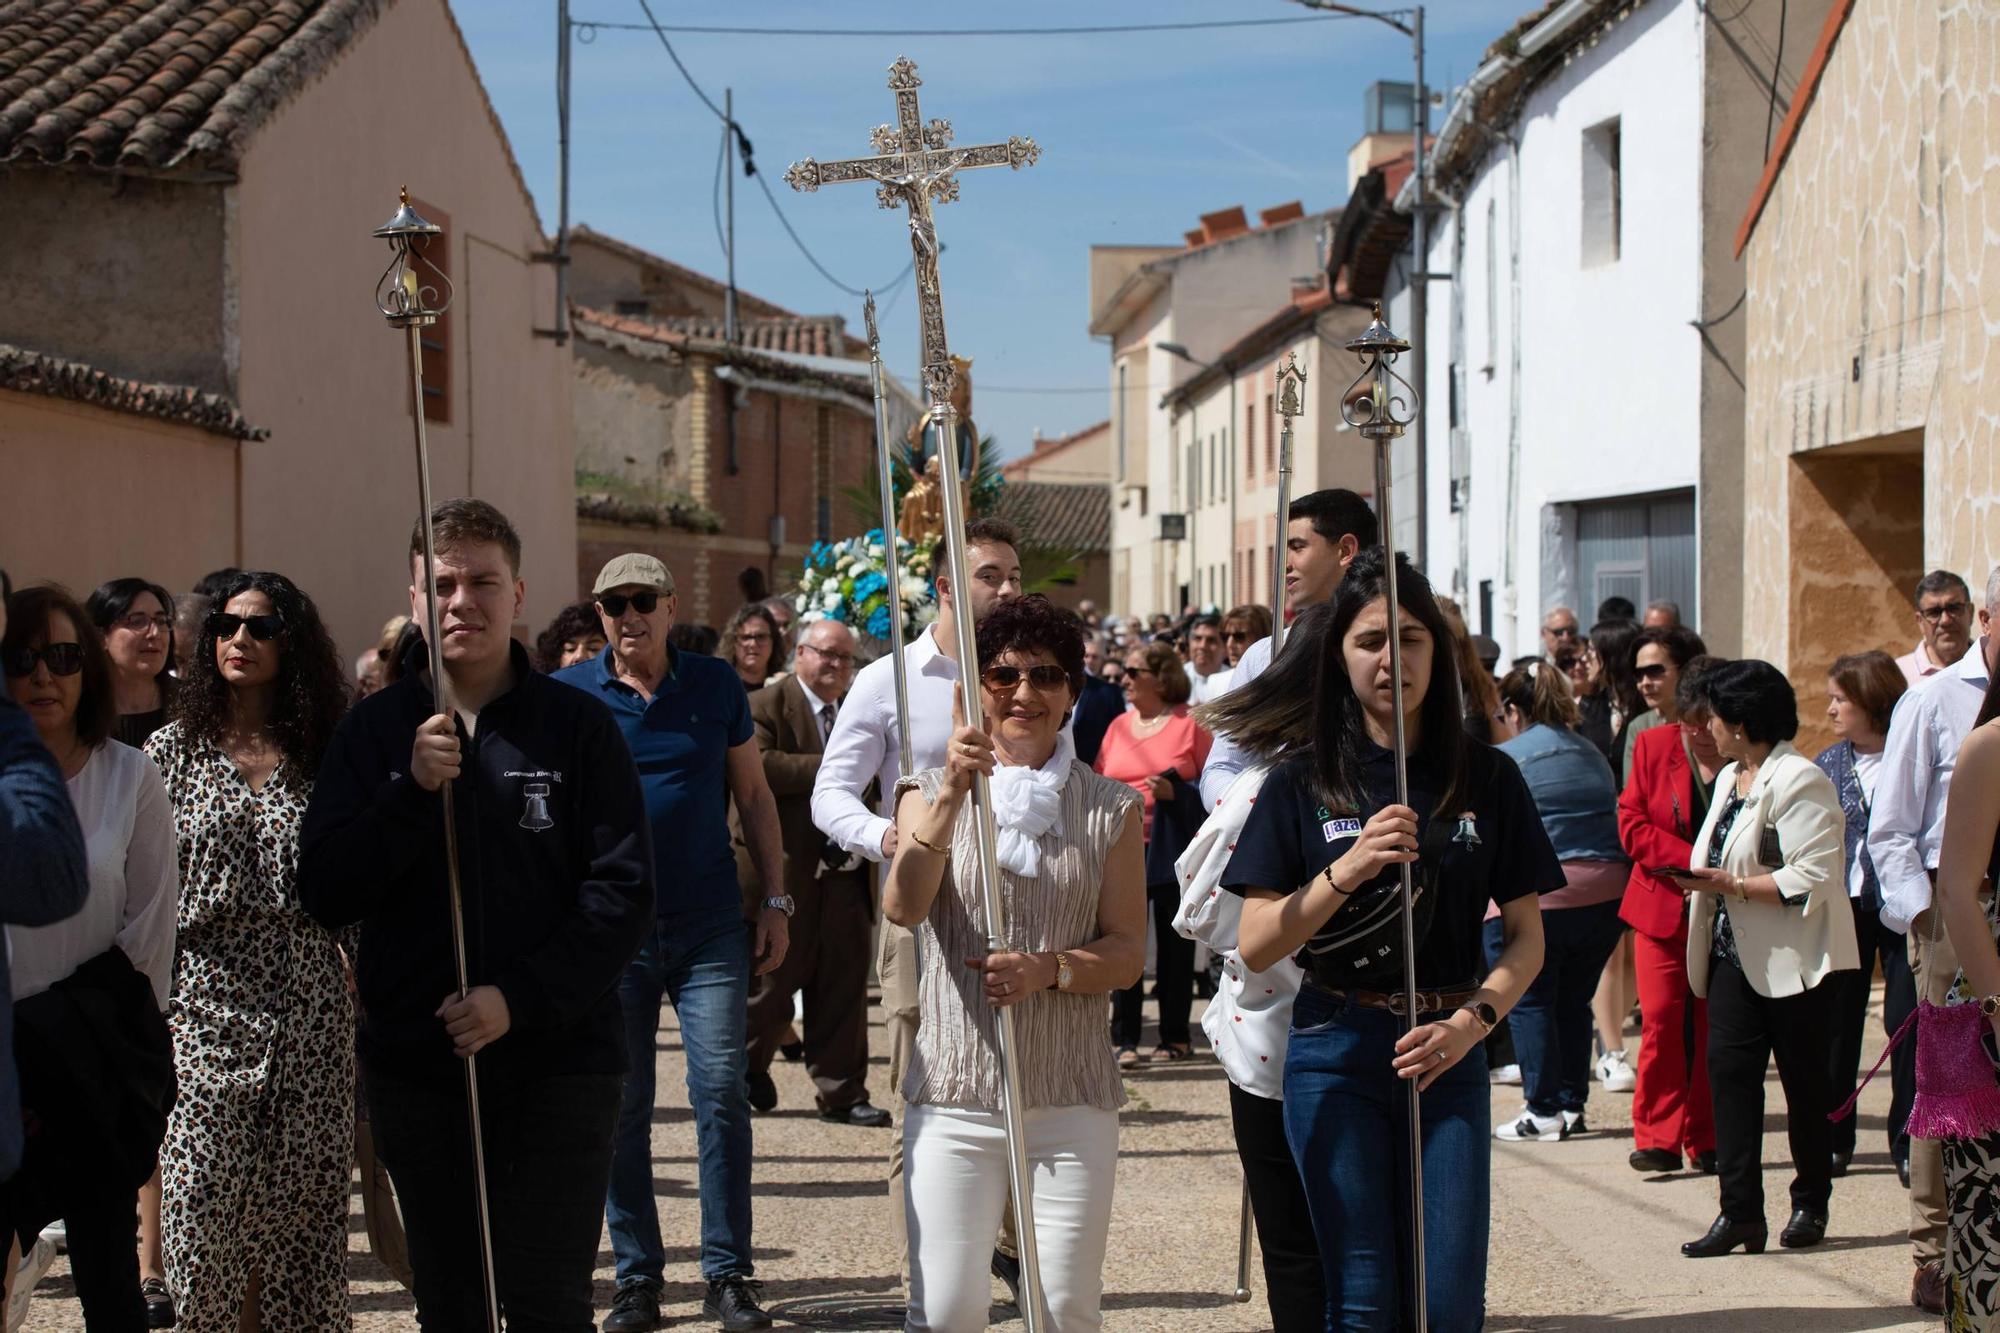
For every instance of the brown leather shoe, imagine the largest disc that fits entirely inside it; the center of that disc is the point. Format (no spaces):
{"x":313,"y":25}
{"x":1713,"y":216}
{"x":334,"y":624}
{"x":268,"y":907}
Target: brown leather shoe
{"x":1927,"y":1287}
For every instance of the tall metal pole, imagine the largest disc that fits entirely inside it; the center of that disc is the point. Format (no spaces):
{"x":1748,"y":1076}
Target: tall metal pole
{"x":1243,"y":1248}
{"x":409,"y":301}
{"x":561,"y":324}
{"x":729,"y":195}
{"x":1290,"y":389}
{"x":892,"y":559}
{"x":1420,"y":304}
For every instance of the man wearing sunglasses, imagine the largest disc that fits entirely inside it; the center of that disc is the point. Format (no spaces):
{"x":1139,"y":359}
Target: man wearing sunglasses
{"x":687,"y":720}
{"x":1562,"y":640}
{"x":1944,"y":621}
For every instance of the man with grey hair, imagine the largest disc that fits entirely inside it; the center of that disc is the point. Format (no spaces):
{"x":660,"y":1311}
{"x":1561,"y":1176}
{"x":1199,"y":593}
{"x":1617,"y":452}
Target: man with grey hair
{"x":1561,"y":638}
{"x":833,"y":903}
{"x":1661,"y":613}
{"x":1944,"y":625}
{"x":1905,"y":836}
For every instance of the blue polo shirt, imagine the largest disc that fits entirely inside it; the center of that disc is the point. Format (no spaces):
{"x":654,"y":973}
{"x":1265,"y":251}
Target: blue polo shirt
{"x":680,"y":741}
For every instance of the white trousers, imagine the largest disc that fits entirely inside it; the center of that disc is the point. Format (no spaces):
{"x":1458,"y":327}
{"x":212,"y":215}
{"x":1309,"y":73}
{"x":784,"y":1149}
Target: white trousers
{"x":955,"y":1188}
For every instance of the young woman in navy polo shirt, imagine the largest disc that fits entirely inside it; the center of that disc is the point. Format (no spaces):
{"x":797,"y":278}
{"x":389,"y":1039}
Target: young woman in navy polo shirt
{"x":1326,"y":842}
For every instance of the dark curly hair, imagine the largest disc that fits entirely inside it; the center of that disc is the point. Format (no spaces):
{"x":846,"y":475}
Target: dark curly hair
{"x":1034,"y":623}
{"x":28,"y":614}
{"x":311,"y":692}
{"x":576,"y":621}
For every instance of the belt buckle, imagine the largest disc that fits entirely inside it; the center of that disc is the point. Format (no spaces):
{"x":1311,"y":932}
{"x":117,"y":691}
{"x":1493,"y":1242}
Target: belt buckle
{"x":1397,"y":1004}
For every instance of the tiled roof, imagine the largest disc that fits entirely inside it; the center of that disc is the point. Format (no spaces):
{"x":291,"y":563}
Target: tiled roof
{"x":1073,"y":518}
{"x":161,"y":84}
{"x":1802,"y":99}
{"x":808,"y":334}
{"x":25,"y":371}
{"x":1371,"y":234}
{"x":636,"y":334}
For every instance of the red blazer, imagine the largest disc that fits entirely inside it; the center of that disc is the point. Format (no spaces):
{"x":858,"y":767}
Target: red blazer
{"x":1657,"y":822}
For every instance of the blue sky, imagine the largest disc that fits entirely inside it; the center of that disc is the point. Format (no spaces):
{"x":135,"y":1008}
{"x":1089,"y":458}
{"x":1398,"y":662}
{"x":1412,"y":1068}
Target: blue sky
{"x":1140,"y":133}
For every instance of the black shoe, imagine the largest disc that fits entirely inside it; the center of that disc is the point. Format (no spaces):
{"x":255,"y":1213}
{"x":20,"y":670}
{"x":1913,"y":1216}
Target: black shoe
{"x":1903,"y":1171}
{"x":863,"y":1114}
{"x":1724,"y":1236}
{"x":1806,"y":1229}
{"x":635,"y":1309}
{"x":1841,"y":1161}
{"x":159,"y":1303}
{"x":731,"y":1303}
{"x":793,"y":1051}
{"x":1008,"y":1269}
{"x":1654,"y":1160}
{"x":1705,"y":1162}
{"x":763,"y":1092}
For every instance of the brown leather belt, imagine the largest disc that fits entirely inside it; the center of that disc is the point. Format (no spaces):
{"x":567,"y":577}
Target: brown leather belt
{"x":1428,"y":1001}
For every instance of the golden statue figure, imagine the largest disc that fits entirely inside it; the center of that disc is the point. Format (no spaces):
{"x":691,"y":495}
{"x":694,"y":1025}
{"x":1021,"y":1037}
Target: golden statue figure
{"x":921,"y":521}
{"x":922,"y":435}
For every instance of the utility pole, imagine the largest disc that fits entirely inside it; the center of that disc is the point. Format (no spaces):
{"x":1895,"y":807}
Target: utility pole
{"x":729,"y":173}
{"x":559,"y":256}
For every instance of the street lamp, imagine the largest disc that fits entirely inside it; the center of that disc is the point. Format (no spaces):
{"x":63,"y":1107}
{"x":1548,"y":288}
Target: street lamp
{"x":1229,"y":457}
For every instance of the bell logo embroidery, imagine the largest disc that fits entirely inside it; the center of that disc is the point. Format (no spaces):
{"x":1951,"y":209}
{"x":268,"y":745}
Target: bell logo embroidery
{"x":535,"y":814}
{"x":1468,"y":831}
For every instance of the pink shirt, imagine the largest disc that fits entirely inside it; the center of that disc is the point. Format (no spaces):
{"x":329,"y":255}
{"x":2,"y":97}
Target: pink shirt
{"x":1180,"y":745}
{"x":1917,"y":664}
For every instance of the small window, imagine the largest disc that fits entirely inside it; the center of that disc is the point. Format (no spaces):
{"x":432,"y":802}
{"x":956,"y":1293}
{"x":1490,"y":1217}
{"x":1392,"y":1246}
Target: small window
{"x":1270,"y":434}
{"x":1602,"y":187}
{"x":1250,"y":443}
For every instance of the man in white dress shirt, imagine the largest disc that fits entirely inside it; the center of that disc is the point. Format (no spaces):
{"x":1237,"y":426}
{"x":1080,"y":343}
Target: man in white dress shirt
{"x":866,"y":746}
{"x":1325,"y":531}
{"x":1905,"y":834}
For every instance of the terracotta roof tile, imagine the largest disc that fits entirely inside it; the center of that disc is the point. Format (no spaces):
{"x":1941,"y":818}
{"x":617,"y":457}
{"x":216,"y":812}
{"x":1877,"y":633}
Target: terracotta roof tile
{"x":1073,"y":518}
{"x":26,"y":371}
{"x":608,"y":329}
{"x":812,"y":335}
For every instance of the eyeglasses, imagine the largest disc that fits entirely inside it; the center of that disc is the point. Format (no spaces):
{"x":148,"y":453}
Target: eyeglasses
{"x":1046,"y":677}
{"x":1949,"y":611}
{"x":138,"y":622}
{"x":64,"y":659}
{"x":223,"y":625}
{"x":1657,"y":671}
{"x":840,"y":658}
{"x":613,"y":604}
{"x":1140,"y":671}
{"x":753,"y":636}
{"x":1236,"y":634}
{"x":1560,"y":631}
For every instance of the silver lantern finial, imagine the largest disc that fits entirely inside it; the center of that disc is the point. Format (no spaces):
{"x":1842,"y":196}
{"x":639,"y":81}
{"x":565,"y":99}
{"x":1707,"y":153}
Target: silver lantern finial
{"x":1380,"y":403}
{"x":407,"y":296}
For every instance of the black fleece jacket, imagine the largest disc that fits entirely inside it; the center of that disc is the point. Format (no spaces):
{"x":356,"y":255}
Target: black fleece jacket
{"x":555,"y":862}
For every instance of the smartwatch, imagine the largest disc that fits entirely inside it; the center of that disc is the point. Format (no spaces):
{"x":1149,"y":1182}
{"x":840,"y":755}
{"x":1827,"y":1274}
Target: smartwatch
{"x":1488,"y":1016}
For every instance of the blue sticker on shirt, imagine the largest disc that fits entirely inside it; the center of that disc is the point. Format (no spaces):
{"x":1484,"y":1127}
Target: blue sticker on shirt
{"x":1336,"y":829}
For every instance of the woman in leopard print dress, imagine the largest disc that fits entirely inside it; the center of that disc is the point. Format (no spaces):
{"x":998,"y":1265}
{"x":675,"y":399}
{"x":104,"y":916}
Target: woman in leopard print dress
{"x":258,"y":1151}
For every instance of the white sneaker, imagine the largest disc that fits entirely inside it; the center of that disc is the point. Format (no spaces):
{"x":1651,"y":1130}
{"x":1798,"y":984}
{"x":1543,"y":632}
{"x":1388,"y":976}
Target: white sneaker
{"x":1510,"y":1075}
{"x":57,"y":1234}
{"x":1532,"y":1128}
{"x":34,"y":1264}
{"x":1615,"y":1072}
{"x":1573,"y":1124}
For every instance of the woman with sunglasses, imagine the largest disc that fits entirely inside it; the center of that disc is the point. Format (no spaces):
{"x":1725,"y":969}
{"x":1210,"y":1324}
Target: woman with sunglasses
{"x":136,"y":619}
{"x":58,"y":672}
{"x":1157,"y":748}
{"x":260,"y":1144}
{"x":750,"y":642}
{"x":1072,"y":877}
{"x":1241,"y":627}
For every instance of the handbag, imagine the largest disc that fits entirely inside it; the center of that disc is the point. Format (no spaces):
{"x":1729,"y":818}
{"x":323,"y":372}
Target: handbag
{"x":1365,"y":949}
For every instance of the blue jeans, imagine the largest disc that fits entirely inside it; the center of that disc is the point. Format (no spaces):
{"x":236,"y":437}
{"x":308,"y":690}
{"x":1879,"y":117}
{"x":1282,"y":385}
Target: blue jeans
{"x":1346,"y":1116}
{"x":1552,"y":1023}
{"x":700,"y":961}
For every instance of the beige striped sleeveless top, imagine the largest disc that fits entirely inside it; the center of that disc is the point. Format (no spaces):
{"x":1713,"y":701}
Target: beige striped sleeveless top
{"x":1066,"y":1054}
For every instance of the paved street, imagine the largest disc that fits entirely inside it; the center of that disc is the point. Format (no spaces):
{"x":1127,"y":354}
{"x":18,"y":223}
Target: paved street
{"x":1579,"y":1240}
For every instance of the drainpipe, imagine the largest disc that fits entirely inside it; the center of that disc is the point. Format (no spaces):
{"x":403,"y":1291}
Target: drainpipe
{"x":1510,"y":592}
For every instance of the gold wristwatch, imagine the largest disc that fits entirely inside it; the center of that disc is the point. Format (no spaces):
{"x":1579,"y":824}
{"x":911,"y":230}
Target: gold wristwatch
{"x":1989,"y":1006}
{"x":1064,"y":973}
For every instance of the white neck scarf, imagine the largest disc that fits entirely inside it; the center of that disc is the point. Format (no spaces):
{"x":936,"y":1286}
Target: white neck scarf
{"x":1027,"y":803}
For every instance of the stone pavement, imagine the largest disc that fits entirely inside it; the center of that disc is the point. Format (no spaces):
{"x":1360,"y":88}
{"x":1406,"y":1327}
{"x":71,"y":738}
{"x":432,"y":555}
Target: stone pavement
{"x":1580,"y":1241}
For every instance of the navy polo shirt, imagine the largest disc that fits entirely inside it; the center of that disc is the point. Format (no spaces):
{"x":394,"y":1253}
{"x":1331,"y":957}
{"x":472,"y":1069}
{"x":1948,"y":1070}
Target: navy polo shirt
{"x":680,"y":740}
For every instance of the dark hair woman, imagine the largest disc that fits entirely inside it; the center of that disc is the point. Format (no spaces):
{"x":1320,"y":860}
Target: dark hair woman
{"x":1578,"y":802}
{"x":1659,"y":654}
{"x":1243,"y":626}
{"x":1611,"y":657}
{"x":57,"y":669}
{"x":1069,"y":859}
{"x":1861,"y":690}
{"x":1769,"y":935}
{"x":260,"y":1143}
{"x":750,"y":642}
{"x":1157,"y":748}
{"x":575,"y":635}
{"x":136,"y":619}
{"x":1321,"y":850}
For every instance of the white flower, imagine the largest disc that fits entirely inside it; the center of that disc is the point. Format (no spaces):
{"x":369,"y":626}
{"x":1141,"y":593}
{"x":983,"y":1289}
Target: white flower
{"x":832,"y":599}
{"x":875,"y":551}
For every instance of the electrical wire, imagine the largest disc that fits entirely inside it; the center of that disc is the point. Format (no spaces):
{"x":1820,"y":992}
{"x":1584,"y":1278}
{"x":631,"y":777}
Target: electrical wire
{"x":1777,"y":72}
{"x":786,"y":223}
{"x":1082,"y":30}
{"x":715,"y":193}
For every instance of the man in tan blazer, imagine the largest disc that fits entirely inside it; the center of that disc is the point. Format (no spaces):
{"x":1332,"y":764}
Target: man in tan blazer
{"x":833,"y":905}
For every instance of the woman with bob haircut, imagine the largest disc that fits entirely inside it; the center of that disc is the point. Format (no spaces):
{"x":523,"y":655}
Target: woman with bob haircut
{"x":136,"y":619}
{"x":1769,"y":933}
{"x":260,"y":1144}
{"x":1073,"y":884}
{"x":1318,"y":864}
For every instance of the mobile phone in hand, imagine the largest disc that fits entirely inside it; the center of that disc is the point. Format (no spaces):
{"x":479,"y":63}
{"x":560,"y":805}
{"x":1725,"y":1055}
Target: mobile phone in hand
{"x":1672,"y":872}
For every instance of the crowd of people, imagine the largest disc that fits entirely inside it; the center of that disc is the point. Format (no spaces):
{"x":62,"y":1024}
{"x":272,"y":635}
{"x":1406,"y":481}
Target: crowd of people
{"x":231,"y":969}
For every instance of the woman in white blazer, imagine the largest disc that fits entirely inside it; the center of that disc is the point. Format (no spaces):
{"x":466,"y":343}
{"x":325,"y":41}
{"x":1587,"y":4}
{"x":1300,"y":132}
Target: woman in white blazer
{"x":1769,"y":923}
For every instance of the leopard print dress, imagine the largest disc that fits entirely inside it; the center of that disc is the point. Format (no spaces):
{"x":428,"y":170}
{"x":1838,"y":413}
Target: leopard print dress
{"x":259,"y":1147}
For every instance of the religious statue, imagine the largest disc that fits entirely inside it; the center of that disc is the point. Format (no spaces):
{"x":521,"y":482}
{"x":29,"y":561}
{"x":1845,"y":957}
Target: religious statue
{"x":922,"y":519}
{"x":922,"y":435}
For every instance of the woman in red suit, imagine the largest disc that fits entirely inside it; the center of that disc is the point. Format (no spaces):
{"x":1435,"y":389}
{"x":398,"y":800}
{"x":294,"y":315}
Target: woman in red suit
{"x":1665,"y":799}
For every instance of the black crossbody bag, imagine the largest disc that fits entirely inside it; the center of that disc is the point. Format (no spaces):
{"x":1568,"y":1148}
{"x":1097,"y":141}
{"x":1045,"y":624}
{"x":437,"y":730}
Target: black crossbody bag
{"x":1365,"y":949}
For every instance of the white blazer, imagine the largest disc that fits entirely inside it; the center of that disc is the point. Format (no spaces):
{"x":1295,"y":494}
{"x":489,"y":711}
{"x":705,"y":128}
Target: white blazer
{"x":1785,"y":948}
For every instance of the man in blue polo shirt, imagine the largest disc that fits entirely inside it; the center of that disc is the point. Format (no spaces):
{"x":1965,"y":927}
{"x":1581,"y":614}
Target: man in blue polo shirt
{"x":687,"y":720}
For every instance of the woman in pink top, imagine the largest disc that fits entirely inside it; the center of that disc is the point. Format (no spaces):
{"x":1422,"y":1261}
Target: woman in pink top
{"x":1158,"y":749}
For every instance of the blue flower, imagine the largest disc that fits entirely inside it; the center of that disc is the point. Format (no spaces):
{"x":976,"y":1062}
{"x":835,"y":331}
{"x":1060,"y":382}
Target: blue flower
{"x":869,"y":584}
{"x":878,"y":624}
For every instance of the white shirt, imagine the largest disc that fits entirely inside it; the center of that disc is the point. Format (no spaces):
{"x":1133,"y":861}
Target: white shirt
{"x":866,"y":745}
{"x":135,"y":878}
{"x":1203,"y":688}
{"x":1867,"y":767}
{"x":1906,"y":822}
{"x":818,"y":706}
{"x":1226,"y":758}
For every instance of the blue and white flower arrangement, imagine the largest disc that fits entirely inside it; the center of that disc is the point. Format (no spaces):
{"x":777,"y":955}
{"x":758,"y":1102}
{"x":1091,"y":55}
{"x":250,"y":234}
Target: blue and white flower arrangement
{"x":848,"y":581}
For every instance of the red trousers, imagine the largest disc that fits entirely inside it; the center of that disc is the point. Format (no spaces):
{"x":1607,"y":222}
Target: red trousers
{"x":1671,"y":1108}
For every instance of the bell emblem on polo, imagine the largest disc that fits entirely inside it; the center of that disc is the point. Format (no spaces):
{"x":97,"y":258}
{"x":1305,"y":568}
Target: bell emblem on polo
{"x":535,"y":816}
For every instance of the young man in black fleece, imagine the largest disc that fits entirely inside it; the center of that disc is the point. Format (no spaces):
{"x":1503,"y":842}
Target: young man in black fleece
{"x":555,"y":857}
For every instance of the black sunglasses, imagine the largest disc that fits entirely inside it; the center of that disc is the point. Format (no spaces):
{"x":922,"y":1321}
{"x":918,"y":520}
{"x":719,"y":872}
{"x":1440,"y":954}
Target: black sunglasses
{"x":1655,"y":671}
{"x":224,"y":624}
{"x":64,"y":659}
{"x":1047,"y":678}
{"x":613,"y":604}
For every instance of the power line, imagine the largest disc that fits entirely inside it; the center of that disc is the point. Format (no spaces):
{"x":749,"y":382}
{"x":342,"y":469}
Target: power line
{"x":1030,"y":388}
{"x":1081,"y":30}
